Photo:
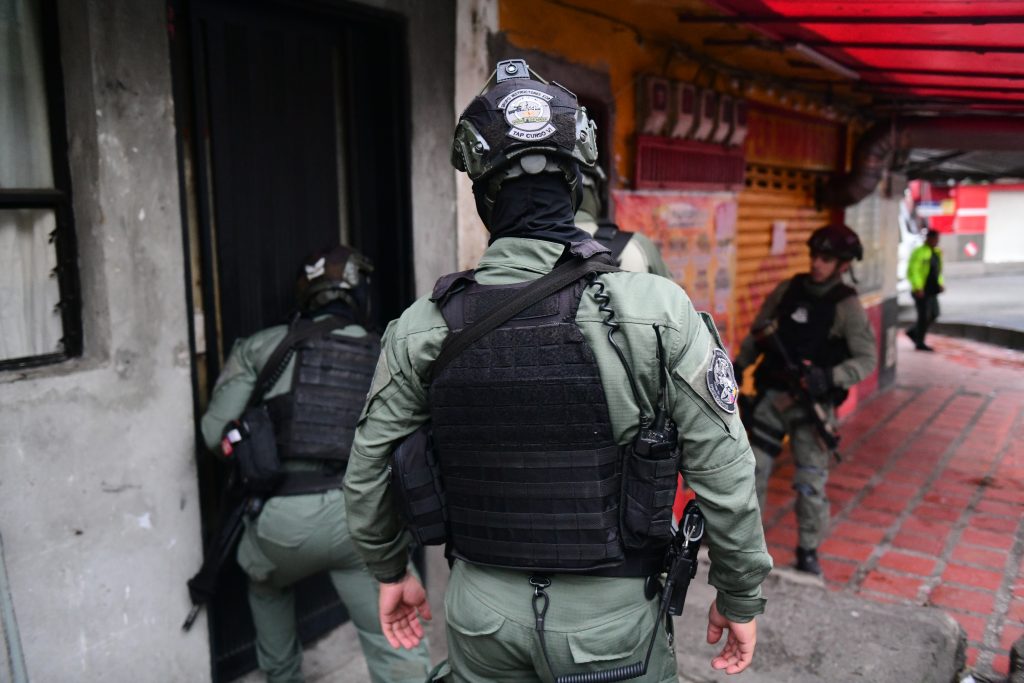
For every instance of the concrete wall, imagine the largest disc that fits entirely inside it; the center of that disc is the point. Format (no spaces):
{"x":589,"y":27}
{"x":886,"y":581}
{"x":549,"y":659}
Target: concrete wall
{"x":98,"y":494}
{"x":98,"y":499}
{"x":475,"y":22}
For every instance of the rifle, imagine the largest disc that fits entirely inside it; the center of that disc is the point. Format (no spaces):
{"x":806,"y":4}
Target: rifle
{"x":203,"y":586}
{"x":795,"y":373}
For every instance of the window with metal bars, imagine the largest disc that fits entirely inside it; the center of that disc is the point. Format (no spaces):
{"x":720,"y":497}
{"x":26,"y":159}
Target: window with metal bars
{"x":40,"y":316}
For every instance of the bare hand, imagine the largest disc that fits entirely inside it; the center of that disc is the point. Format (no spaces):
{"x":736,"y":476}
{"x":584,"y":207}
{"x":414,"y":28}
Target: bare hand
{"x":739,"y":646}
{"x":400,"y":605}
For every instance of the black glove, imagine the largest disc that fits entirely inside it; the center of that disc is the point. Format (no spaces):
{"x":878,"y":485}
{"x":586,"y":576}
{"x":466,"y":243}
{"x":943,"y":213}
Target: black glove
{"x":818,"y":381}
{"x":737,"y":371}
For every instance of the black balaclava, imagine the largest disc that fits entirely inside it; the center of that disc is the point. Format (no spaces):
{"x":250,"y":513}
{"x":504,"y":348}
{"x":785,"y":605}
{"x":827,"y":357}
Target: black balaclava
{"x":535,"y":206}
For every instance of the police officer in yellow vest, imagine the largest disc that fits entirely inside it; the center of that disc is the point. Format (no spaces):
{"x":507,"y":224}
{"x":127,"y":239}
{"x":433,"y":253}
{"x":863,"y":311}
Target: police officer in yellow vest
{"x":633,"y":251}
{"x":313,"y":406}
{"x":924,"y":273}
{"x":819,"y":331}
{"x":537,"y":427}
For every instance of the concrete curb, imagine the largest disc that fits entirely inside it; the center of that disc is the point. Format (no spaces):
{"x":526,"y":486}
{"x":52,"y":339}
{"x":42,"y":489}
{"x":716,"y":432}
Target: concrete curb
{"x":989,"y":334}
{"x":811,"y":634}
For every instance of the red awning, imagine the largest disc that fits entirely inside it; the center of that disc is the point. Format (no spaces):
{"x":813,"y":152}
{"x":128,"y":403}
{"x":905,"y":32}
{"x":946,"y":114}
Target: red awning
{"x":949,"y":56}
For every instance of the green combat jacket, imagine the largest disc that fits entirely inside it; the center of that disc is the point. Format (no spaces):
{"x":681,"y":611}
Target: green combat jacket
{"x":851,"y":323}
{"x":717,"y":461}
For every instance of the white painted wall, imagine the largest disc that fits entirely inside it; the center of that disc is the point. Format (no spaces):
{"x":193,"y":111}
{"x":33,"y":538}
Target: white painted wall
{"x":1004,"y":232}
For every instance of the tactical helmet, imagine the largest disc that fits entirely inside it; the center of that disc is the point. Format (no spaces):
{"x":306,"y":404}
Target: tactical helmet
{"x":836,"y":240}
{"x":338,"y":274}
{"x":522,"y":125}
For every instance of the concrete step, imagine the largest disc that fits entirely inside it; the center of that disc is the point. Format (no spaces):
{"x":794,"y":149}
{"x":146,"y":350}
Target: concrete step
{"x":809,"y":634}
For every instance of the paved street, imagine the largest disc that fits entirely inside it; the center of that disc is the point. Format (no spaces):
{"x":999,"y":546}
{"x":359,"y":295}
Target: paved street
{"x":928,"y":503}
{"x":992,"y":299}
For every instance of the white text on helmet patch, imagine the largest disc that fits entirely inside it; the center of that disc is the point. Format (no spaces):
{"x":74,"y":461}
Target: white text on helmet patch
{"x":528,"y":113}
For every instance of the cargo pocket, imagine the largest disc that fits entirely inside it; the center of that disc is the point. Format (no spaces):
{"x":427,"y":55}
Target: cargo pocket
{"x":473,"y":627}
{"x":613,"y":640}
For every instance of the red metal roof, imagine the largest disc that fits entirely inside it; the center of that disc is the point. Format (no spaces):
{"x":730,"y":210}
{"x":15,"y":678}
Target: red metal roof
{"x":942,"y":55}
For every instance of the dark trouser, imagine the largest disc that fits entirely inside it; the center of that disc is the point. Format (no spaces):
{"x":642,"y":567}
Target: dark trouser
{"x":927,"y":312}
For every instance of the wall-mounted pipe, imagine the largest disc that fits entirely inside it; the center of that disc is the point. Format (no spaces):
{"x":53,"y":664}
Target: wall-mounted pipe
{"x":874,"y":150}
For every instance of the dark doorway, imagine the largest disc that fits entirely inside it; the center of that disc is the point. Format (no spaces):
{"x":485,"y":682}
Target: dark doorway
{"x":294,"y":121}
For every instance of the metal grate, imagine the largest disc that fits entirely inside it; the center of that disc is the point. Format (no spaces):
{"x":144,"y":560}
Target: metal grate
{"x":668,"y":164}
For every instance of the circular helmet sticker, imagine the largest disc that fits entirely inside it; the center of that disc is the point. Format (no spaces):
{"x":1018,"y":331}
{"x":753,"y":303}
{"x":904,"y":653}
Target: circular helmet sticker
{"x":722,"y":382}
{"x":528,"y":113}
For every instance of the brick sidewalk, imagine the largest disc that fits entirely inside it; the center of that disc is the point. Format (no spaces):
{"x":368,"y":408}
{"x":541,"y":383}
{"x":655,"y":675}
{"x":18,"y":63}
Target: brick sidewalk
{"x":928,"y":502}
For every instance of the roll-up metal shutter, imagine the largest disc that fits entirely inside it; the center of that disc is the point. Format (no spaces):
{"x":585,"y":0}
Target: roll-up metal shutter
{"x":776,"y":209}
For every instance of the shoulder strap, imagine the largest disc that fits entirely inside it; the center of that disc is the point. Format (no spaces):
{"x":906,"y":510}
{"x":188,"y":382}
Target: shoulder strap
{"x":279,"y":358}
{"x":562,"y":276}
{"x":612,"y":237}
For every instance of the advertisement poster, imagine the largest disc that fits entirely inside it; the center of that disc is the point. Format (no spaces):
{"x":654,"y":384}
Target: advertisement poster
{"x":696,"y":233}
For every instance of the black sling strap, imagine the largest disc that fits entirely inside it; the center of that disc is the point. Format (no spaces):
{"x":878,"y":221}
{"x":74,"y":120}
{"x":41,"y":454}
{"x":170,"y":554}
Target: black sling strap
{"x":275,"y":365}
{"x":612,"y":237}
{"x":562,"y":276}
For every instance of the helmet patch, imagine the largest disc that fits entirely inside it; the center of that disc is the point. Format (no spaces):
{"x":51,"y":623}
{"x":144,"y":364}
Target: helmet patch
{"x":722,"y":381}
{"x":316,"y":270}
{"x":528,"y":113}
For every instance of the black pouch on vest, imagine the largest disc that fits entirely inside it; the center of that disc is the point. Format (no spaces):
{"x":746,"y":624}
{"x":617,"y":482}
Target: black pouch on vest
{"x":251,"y":443}
{"x":650,"y":471}
{"x":649,"y":480}
{"x":416,"y":485}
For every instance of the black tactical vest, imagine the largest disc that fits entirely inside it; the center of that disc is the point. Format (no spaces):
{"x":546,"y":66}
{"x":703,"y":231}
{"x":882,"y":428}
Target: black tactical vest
{"x":529,"y":464}
{"x":317,"y":418}
{"x":804,"y":322}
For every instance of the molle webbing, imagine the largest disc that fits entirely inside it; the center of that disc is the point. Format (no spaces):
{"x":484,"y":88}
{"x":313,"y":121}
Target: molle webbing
{"x":531,"y":471}
{"x":809,"y":340}
{"x":317,"y":418}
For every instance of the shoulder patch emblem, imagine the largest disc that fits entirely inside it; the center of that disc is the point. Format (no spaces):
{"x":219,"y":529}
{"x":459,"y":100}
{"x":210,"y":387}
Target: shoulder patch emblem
{"x":722,"y":381}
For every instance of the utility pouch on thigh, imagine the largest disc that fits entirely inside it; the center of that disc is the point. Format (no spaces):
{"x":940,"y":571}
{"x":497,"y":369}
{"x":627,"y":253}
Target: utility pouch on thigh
{"x":416,"y":485}
{"x":649,"y":480}
{"x":251,"y":443}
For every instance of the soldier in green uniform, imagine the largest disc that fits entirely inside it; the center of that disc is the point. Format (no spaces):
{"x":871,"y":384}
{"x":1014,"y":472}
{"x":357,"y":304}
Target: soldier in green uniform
{"x":822,"y":326}
{"x":632,"y":250}
{"x":313,"y":404}
{"x":535,"y":427}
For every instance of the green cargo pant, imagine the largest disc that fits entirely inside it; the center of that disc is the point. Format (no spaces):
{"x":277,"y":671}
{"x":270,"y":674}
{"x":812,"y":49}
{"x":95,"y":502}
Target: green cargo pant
{"x":295,"y":537}
{"x":777,"y":411}
{"x":592,"y":623}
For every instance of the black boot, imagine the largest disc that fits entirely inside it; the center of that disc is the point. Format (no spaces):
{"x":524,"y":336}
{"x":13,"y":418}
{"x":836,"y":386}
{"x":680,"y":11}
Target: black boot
{"x":807,"y":561}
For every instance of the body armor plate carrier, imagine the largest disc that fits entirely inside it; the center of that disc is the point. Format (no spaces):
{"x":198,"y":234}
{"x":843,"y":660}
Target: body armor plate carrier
{"x":529,"y":463}
{"x":317,"y":418}
{"x":804,"y":325}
